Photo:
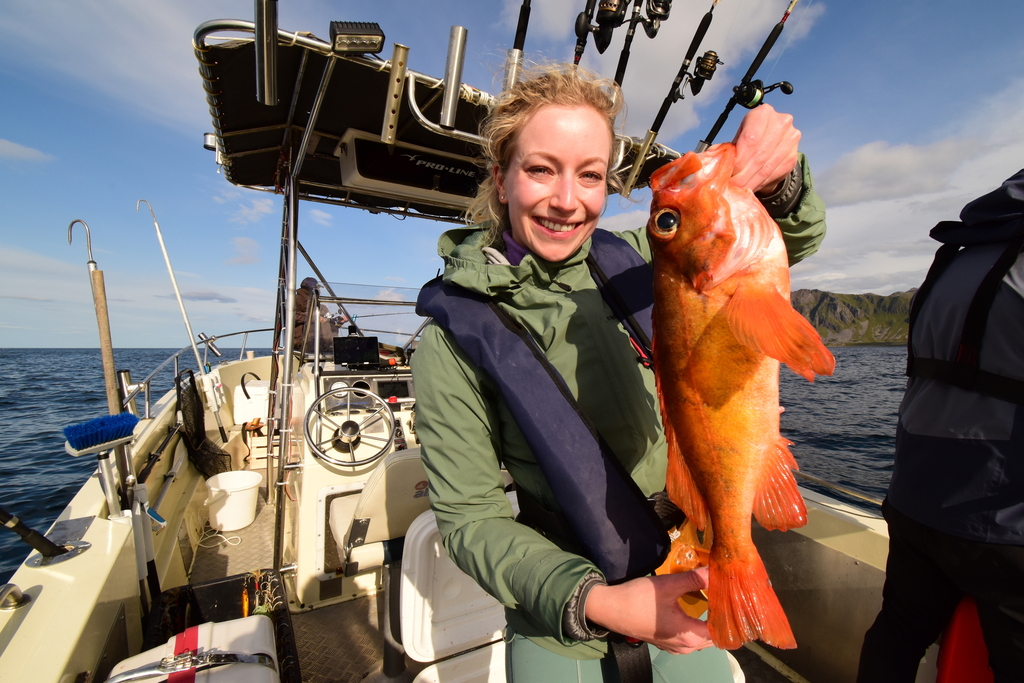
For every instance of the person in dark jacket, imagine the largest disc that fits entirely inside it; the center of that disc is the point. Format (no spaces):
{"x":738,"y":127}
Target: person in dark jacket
{"x":955,"y":505}
{"x":327,"y":327}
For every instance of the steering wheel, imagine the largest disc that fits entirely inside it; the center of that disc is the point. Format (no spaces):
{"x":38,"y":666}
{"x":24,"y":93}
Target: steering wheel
{"x":345,"y":425}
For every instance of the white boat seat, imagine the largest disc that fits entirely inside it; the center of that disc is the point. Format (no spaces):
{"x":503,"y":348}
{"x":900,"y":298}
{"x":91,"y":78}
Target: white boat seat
{"x":445,"y":613}
{"x":363,"y":524}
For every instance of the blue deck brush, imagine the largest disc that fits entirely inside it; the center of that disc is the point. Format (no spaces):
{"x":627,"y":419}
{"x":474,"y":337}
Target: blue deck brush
{"x":89,"y":436}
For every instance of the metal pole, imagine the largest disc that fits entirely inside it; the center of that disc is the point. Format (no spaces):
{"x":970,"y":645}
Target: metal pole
{"x":287,"y":369}
{"x":266,"y":51}
{"x":453,"y":76}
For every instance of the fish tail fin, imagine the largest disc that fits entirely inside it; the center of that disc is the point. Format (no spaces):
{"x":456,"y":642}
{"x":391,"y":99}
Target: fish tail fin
{"x":679,"y":482}
{"x":761,"y":319}
{"x":778,"y":503}
{"x":743,"y":605}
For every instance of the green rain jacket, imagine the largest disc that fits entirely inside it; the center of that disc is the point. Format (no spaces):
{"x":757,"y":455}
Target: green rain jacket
{"x":467,"y":433}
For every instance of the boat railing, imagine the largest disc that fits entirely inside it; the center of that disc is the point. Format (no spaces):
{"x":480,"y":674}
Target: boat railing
{"x":131,"y":390}
{"x":838,"y":487}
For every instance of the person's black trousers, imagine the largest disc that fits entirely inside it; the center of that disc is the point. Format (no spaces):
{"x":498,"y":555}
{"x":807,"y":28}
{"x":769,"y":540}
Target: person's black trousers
{"x":927,"y":574}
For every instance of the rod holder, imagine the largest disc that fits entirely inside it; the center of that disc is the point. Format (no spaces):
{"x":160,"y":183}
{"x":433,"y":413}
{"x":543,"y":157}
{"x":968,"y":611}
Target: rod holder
{"x":513,"y":67}
{"x":396,"y":86}
{"x":453,"y":76}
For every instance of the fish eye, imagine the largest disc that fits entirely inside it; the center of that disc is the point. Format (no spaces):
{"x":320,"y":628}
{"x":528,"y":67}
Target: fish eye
{"x":666,"y":221}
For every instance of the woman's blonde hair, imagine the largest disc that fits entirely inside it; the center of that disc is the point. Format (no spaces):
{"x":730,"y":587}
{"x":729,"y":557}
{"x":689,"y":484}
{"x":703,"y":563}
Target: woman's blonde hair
{"x":559,"y":85}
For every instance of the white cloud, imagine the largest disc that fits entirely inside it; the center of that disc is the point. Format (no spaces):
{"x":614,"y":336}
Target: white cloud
{"x":136,"y":53}
{"x":880,"y":171}
{"x":887,"y":198}
{"x":208,"y":296}
{"x":15,"y":152}
{"x":247,"y":250}
{"x":389,"y":295}
{"x":318,"y":216}
{"x":256,"y":209}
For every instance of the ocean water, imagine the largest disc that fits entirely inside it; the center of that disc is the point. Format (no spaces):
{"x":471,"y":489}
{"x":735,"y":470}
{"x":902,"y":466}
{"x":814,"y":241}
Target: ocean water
{"x":842,"y":426}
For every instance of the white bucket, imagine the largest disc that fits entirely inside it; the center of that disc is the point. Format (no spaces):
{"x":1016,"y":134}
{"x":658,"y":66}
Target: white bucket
{"x":232,"y":500}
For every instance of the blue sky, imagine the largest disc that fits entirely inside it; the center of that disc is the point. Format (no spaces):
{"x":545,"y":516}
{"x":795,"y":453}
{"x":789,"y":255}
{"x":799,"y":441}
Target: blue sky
{"x":908,"y":111}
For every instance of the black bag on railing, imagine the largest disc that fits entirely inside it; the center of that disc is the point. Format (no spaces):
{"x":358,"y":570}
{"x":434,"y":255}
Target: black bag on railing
{"x":206,"y":456}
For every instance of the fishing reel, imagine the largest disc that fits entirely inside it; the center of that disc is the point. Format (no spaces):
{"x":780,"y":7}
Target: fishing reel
{"x":657,"y":12}
{"x":611,"y":14}
{"x":704,"y":70}
{"x":751,"y":94}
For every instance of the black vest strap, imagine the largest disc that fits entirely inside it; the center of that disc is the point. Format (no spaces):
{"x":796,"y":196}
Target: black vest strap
{"x":633,"y":660}
{"x":609,"y":515}
{"x":964,"y":371}
{"x":626,"y":282}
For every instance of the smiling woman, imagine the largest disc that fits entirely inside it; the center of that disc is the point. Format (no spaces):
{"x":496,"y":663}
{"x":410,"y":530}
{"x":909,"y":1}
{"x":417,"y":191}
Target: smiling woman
{"x":557,"y":124}
{"x":554,"y":185}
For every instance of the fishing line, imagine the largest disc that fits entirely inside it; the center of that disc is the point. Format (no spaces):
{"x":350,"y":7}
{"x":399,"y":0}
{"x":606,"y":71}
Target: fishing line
{"x":378,"y":315}
{"x":356,"y":284}
{"x":792,"y":36}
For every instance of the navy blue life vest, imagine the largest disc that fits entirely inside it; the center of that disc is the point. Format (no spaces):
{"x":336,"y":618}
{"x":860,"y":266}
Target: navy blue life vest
{"x":964,"y":371}
{"x":605,"y":509}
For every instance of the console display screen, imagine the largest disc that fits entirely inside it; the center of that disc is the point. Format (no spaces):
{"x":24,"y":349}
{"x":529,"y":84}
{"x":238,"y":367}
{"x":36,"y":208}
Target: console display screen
{"x":355,"y":351}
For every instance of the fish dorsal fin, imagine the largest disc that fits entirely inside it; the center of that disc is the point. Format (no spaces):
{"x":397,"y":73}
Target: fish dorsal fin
{"x":778,"y":503}
{"x":761,"y":319}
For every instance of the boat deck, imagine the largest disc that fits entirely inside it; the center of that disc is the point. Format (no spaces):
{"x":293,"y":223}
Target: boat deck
{"x":342,"y":643}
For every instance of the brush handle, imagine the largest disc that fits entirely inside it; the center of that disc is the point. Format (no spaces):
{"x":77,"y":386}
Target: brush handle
{"x":99,"y":297}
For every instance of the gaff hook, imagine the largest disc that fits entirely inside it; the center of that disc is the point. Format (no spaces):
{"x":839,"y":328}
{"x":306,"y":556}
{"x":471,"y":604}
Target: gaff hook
{"x":88,"y":241}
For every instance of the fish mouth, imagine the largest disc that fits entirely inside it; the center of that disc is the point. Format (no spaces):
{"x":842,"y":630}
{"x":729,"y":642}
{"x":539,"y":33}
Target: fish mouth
{"x":554,"y":226}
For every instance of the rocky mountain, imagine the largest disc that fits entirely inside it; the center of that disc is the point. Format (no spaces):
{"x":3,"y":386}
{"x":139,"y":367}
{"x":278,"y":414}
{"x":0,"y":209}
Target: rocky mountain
{"x":853,"y":319}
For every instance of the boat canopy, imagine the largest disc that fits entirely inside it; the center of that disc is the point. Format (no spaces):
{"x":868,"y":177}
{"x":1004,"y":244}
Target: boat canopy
{"x":374,"y":141}
{"x":424,"y":172}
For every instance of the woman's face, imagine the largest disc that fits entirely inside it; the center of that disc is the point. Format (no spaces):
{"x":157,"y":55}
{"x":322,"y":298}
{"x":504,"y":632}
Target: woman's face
{"x":555,"y":183}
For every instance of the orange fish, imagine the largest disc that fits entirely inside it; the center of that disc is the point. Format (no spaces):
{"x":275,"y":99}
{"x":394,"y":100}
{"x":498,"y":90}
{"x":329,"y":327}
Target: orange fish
{"x":722,"y":324}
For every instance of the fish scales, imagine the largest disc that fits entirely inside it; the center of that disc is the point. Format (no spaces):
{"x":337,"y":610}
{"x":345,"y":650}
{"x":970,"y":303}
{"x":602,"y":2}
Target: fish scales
{"x":722,"y":324}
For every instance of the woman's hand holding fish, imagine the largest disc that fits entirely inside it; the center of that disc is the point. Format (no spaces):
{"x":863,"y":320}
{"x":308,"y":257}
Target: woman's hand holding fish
{"x":648,"y":609}
{"x":766,"y":149}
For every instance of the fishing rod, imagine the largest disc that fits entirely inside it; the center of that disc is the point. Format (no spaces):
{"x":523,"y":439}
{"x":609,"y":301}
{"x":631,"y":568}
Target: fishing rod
{"x":208,"y":385}
{"x":704,"y":70}
{"x":514,"y":61}
{"x":750,"y":93}
{"x":583,"y":29}
{"x":657,"y":12}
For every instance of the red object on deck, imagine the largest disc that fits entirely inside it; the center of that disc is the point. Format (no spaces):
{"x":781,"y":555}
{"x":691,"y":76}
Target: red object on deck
{"x":963,"y":656}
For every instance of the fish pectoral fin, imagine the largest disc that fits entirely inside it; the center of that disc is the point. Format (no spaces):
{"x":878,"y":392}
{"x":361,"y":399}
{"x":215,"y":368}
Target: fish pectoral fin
{"x":778,"y":503}
{"x":761,"y":319}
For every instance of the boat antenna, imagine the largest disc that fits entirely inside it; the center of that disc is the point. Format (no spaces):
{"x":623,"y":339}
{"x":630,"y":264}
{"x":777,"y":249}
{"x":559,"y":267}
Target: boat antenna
{"x":750,"y":93}
{"x":705,"y":69}
{"x":184,"y":315}
{"x":514,"y":60}
{"x":657,"y":12}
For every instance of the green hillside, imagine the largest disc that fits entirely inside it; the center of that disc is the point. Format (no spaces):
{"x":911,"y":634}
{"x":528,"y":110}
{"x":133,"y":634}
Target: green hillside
{"x":853,"y":319}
